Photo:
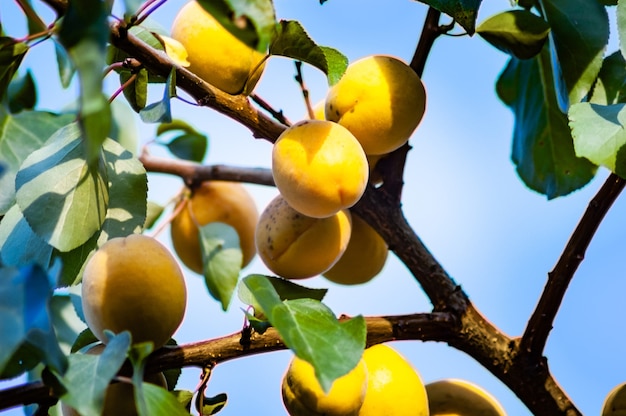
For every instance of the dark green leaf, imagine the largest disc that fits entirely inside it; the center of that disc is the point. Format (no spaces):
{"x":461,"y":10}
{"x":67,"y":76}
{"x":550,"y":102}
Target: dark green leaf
{"x":578,"y":38}
{"x":61,"y":197}
{"x":516,"y":32}
{"x":19,"y":245}
{"x":250,"y":21}
{"x":543,"y":151}
{"x":85,"y":338}
{"x":88,"y":375}
{"x":20,"y":135}
{"x":292,"y":41}
{"x":463,"y":11}
{"x":222,"y":259}
{"x":610,"y":87}
{"x":22,"y":93}
{"x":84,"y":19}
{"x":160,"y":112}
{"x":300,"y":323}
{"x":599,"y":133}
{"x":192,"y":145}
{"x":211,"y":405}
{"x":65,"y":65}
{"x":136,"y":92}
{"x":11,"y":54}
{"x":25,"y":315}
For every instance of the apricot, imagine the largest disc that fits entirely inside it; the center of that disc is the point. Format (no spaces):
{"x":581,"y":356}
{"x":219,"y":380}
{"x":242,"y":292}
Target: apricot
{"x":134,"y":284}
{"x":319,"y":168}
{"x":215,"y":54}
{"x":214,"y":201}
{"x":364,"y":257}
{"x":303,"y":396}
{"x":381,"y":100}
{"x":460,"y":397}
{"x":296,"y":246}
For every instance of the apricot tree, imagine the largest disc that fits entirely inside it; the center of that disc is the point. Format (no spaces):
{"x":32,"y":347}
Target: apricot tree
{"x":71,"y":181}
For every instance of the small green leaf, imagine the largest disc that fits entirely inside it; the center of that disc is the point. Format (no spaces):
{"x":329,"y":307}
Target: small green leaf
{"x":184,"y":397}
{"x":61,"y":197}
{"x":89,"y":375}
{"x":160,"y":402}
{"x":516,"y":32}
{"x":138,"y":356}
{"x":22,"y":93}
{"x":191,"y":145}
{"x":211,"y":405}
{"x":463,"y":11}
{"x":292,"y":41}
{"x":578,"y":38}
{"x":610,"y":87}
{"x":25,"y":321}
{"x":300,"y":323}
{"x":153,"y":213}
{"x":250,"y":21}
{"x":11,"y":54}
{"x":136,"y":92}
{"x":543,"y":150}
{"x":160,"y":112}
{"x":65,"y":65}
{"x":222,"y":259}
{"x":85,"y":338}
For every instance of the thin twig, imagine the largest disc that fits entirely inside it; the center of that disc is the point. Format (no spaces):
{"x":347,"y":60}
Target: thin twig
{"x":277,"y":114}
{"x":540,"y":323}
{"x":305,"y":91}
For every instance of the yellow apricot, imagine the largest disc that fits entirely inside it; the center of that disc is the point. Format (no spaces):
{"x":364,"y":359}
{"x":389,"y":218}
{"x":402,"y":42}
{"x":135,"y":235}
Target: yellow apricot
{"x":364,"y":257}
{"x":295,"y":246}
{"x":134,"y":284}
{"x":214,"y":201}
{"x":394,"y":388}
{"x":215,"y":54}
{"x":319,"y":168}
{"x":303,"y":396}
{"x":455,"y":397}
{"x":381,"y":100}
{"x":119,"y":399}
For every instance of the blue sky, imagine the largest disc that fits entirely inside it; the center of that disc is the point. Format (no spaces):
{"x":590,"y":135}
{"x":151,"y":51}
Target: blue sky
{"x":497,"y":238}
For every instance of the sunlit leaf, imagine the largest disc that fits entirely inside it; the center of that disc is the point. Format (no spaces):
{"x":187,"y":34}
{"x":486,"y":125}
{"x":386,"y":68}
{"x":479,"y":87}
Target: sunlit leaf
{"x":293,"y":42}
{"x":153,"y":213}
{"x":250,"y":21}
{"x":463,"y":11}
{"x":19,"y":245}
{"x":578,"y":38}
{"x":25,"y":320}
{"x":88,"y":375}
{"x":160,"y":402}
{"x":543,"y":150}
{"x":516,"y":32}
{"x":222,"y":259}
{"x":610,"y":87}
{"x":63,"y":199}
{"x":300,"y":323}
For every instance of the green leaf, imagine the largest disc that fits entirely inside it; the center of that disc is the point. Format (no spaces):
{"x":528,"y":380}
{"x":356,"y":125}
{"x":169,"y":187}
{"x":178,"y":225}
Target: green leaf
{"x":222,"y":259}
{"x":124,"y":129}
{"x":85,"y":338}
{"x":160,"y":402}
{"x":517,"y":32}
{"x":22,"y":93}
{"x":65,"y":65}
{"x":285,"y":289}
{"x":599,"y":134}
{"x":153,"y":213}
{"x":292,"y":41}
{"x":11,"y":54}
{"x":89,"y":375}
{"x":136,"y":92}
{"x":610,"y":87}
{"x":250,"y":21}
{"x":20,"y":135}
{"x":211,"y":405}
{"x":543,"y":151}
{"x":160,"y":112}
{"x":19,"y":245}
{"x":463,"y":11}
{"x":578,"y":38}
{"x":300,"y":323}
{"x":621,"y":25}
{"x":191,"y":145}
{"x":67,"y":324}
{"x":126,"y":214}
{"x":84,"y":19}
{"x":61,"y":197}
{"x":25,"y":321}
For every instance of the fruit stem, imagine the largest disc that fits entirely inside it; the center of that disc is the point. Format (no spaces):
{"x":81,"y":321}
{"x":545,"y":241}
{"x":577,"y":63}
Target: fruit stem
{"x":305,"y":91}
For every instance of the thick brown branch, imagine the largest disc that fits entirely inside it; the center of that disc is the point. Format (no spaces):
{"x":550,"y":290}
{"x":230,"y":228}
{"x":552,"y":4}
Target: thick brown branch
{"x":426,"y":326}
{"x":540,"y":324}
{"x":193,"y":173}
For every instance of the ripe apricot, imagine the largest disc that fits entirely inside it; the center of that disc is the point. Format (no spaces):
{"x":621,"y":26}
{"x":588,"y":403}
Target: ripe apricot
{"x":214,"y":201}
{"x":319,"y":168}
{"x":215,"y":54}
{"x":364,"y":257}
{"x":381,"y":100}
{"x":303,"y":396}
{"x":134,"y":284}
{"x":295,"y":246}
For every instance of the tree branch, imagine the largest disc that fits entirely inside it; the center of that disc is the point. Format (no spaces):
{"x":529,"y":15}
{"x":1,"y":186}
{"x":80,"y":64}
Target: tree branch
{"x":540,"y":324}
